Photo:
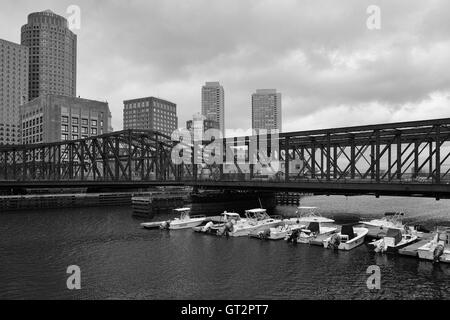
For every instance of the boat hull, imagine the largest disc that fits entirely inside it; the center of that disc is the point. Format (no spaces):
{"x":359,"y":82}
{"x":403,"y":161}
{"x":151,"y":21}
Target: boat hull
{"x":372,"y":246}
{"x":351,"y":244}
{"x":243,"y":232}
{"x":177,"y":225}
{"x":426,"y":252}
{"x":152,"y":225}
{"x":325,"y":231}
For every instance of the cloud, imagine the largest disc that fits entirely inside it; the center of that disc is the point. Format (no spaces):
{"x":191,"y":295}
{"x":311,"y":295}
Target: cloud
{"x":331,"y":70}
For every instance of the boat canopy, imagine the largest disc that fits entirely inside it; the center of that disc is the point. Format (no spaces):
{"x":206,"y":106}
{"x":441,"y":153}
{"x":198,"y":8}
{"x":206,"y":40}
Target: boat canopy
{"x":396,"y":234}
{"x":231,"y":214}
{"x":182,"y":209}
{"x":256,"y":211}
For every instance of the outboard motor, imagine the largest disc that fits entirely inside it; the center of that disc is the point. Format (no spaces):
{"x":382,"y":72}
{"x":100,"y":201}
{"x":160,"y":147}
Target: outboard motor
{"x":264,"y":234}
{"x":207,"y":226}
{"x":379,"y":247}
{"x":294,"y":236}
{"x":227,"y":229}
{"x":335,"y":241}
{"x":438,"y":252}
{"x":165,"y":225}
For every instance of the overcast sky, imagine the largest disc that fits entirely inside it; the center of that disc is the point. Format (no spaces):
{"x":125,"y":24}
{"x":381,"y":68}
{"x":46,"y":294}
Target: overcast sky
{"x":330,"y":68}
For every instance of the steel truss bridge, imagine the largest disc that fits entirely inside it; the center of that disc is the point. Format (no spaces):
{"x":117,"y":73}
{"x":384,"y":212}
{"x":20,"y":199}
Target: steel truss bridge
{"x":403,"y":159}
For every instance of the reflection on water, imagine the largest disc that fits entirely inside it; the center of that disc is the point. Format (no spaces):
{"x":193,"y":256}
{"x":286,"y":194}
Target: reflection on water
{"x":120,"y":260}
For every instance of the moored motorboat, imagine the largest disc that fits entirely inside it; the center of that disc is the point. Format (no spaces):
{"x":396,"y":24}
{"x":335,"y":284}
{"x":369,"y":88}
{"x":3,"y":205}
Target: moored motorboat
{"x":285,"y":228}
{"x":152,"y":225}
{"x":218,"y":226}
{"x":185,"y":220}
{"x":347,"y":239}
{"x":316,"y":226}
{"x":255,"y":221}
{"x":391,"y":220}
{"x":394,"y":240}
{"x":438,"y":249}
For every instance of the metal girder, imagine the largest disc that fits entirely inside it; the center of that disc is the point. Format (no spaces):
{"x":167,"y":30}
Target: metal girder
{"x":416,"y":152}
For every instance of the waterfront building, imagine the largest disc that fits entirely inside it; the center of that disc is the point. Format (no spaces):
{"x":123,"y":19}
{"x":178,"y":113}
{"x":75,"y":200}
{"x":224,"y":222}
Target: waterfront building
{"x":52,"y":118}
{"x":213,"y":103}
{"x":13,"y":89}
{"x":53,"y":55}
{"x":266,"y":110}
{"x":150,"y":113}
{"x":200,"y":124}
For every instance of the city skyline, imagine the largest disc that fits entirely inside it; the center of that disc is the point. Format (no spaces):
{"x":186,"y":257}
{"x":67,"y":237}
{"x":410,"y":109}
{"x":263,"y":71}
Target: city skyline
{"x":326,"y":63}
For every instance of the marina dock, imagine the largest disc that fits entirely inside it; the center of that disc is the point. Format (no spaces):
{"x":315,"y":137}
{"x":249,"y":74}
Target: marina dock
{"x":411,"y":250}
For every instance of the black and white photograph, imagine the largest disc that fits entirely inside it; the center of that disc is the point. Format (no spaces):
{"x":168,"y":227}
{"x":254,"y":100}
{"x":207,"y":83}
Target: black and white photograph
{"x":221,"y":156}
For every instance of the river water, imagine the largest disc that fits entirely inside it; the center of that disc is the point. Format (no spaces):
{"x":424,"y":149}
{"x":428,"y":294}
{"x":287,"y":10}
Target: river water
{"x":119,"y":260}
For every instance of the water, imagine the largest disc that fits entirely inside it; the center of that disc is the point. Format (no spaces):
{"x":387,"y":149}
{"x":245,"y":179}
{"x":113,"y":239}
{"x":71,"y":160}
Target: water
{"x":118,"y":260}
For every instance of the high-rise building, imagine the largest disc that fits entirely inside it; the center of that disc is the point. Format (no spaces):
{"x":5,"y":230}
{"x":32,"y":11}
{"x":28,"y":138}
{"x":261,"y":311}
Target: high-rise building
{"x":13,"y":89}
{"x":150,"y":113}
{"x":213,"y":103}
{"x":53,"y":55}
{"x":52,"y":118}
{"x":199,"y":125}
{"x":266,"y":110}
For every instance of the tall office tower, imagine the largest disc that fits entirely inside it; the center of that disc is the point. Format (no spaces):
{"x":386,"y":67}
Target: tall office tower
{"x":213,"y":103}
{"x":150,"y":113}
{"x":13,"y":89}
{"x":199,"y":125}
{"x":53,"y":55}
{"x":53,"y":118}
{"x":266,"y":109}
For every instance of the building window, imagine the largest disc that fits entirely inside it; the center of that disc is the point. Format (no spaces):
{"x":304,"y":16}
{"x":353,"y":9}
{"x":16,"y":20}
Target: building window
{"x":65,"y":119}
{"x":74,"y":120}
{"x":74,"y":137}
{"x":94,"y":131}
{"x":64,"y":128}
{"x":64,"y":136}
{"x":84,"y":130}
{"x":75,"y":129}
{"x":94,"y":123}
{"x":84,"y":122}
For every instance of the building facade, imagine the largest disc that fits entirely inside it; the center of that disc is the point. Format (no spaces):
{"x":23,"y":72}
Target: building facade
{"x":150,"y":113}
{"x":266,"y":110}
{"x":13,"y":89}
{"x":199,"y":125}
{"x":213,"y":103}
{"x":52,"y":118}
{"x":53,"y":55}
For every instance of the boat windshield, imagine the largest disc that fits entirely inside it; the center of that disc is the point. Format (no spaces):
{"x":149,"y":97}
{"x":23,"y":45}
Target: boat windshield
{"x":183,"y":212}
{"x":228,"y":216}
{"x":257,"y":214}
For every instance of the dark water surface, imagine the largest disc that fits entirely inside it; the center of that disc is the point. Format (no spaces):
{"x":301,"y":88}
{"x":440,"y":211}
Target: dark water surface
{"x":118,"y":260}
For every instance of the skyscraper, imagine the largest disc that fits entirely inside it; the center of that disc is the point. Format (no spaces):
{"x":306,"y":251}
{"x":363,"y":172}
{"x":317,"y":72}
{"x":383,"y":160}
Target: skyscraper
{"x":213,"y":103}
{"x":266,"y":109}
{"x":150,"y":113}
{"x":53,"y":55}
{"x":13,"y":89}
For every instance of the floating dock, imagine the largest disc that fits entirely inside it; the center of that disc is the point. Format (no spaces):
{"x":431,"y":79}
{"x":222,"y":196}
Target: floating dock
{"x":411,"y":250}
{"x":46,"y":201}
